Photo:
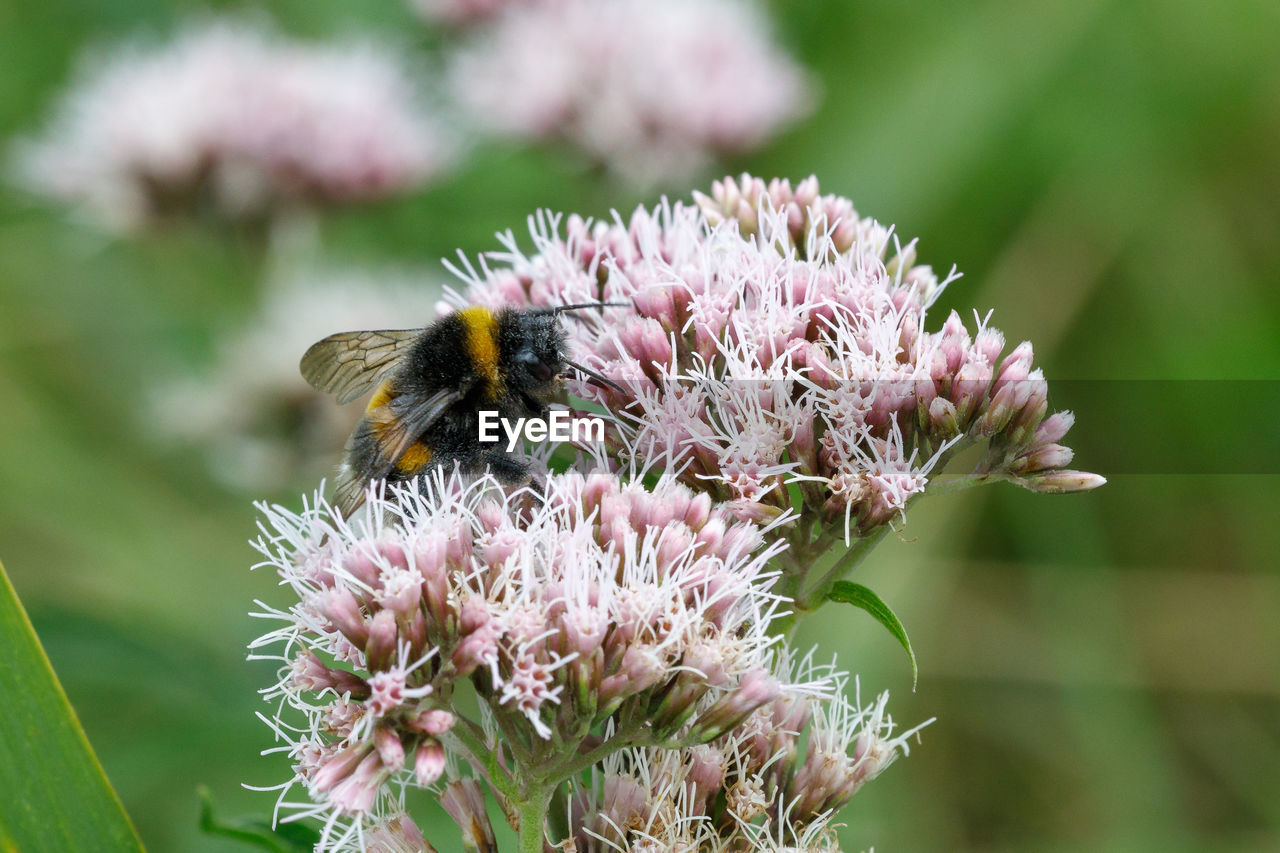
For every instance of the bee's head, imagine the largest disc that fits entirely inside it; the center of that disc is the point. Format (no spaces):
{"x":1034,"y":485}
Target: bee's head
{"x":533,"y":344}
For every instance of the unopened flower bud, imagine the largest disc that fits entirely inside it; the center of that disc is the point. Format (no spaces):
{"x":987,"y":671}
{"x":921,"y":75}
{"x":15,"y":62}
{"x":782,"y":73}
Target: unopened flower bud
{"x":356,"y":793}
{"x":338,"y":767}
{"x":393,"y":553}
{"x":1053,"y":428}
{"x":434,"y":722}
{"x":943,"y":415}
{"x":755,"y":688}
{"x":361,"y":566}
{"x":342,"y":610}
{"x":657,"y":303}
{"x":380,"y":648}
{"x":428,"y":762}
{"x":1016,"y":366}
{"x":310,"y":673}
{"x":390,"y":750}
{"x":1003,"y":406}
{"x":698,"y":512}
{"x":1062,"y":481}
{"x":988,"y":344}
{"x":712,"y":533}
{"x":1043,"y":458}
{"x":598,"y":485}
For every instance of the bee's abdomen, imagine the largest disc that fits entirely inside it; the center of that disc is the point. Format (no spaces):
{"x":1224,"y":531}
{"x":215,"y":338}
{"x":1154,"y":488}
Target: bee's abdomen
{"x":413,"y":460}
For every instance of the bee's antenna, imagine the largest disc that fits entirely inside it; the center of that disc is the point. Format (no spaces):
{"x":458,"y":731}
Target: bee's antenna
{"x":600,"y":380}
{"x":561,"y":309}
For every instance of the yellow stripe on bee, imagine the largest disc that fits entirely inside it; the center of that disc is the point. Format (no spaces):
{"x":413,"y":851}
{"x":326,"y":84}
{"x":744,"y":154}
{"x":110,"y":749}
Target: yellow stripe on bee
{"x":417,"y":456}
{"x":482,"y":344}
{"x":380,"y":397}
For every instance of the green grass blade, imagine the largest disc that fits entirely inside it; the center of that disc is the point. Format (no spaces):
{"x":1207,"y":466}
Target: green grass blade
{"x":860,"y":596}
{"x":56,"y":797}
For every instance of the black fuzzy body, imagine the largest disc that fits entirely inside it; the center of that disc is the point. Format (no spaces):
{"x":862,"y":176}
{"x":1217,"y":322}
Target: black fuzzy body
{"x":510,"y":362}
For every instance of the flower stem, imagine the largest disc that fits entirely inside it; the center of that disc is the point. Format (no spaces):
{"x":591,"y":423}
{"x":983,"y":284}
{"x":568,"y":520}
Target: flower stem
{"x":533,"y":815}
{"x":959,"y":484}
{"x":816,"y":594}
{"x":469,"y":737}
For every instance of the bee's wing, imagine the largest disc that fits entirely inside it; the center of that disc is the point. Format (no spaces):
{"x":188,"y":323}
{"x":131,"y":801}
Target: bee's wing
{"x":396,"y":425}
{"x":412,"y":417}
{"x":348,"y":492}
{"x":349,"y":363}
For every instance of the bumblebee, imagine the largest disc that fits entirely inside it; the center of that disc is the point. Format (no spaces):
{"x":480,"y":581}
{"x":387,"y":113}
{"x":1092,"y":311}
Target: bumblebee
{"x":429,"y":385}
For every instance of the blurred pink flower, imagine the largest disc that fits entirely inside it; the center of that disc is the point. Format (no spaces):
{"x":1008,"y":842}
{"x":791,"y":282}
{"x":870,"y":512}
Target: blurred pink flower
{"x":653,"y":89}
{"x":237,"y":119}
{"x":249,"y":412}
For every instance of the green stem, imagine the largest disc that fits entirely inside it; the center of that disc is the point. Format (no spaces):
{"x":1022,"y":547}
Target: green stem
{"x":797,"y":562}
{"x":533,"y":814}
{"x":816,"y":594}
{"x":579,"y":763}
{"x":951,"y":485}
{"x":470,"y":737}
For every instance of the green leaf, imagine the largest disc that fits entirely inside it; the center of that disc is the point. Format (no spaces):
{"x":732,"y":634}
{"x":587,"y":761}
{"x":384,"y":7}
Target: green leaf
{"x":284,"y":838}
{"x":56,"y":796}
{"x":859,"y":596}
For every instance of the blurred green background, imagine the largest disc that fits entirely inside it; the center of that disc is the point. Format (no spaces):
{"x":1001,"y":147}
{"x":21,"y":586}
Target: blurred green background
{"x":1105,"y":668}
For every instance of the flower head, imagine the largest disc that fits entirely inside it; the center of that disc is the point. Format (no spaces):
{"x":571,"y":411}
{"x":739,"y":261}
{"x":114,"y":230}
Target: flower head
{"x":654,"y":89}
{"x":566,"y":614}
{"x":778,"y":390}
{"x":232,"y":118}
{"x":779,"y":356}
{"x":754,"y":788}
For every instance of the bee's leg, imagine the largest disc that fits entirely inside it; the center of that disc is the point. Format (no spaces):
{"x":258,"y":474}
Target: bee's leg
{"x":512,"y":472}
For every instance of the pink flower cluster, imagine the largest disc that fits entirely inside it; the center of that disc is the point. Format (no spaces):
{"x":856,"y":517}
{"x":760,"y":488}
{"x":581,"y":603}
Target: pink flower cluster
{"x":652,"y":89}
{"x":602,"y":605}
{"x":777,"y":385}
{"x":232,"y":118}
{"x":774,"y":783}
{"x":780,"y":340}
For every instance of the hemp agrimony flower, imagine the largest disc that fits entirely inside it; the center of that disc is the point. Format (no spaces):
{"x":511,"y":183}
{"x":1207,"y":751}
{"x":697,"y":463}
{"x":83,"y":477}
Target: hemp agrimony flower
{"x":779,"y":359}
{"x":599,"y":616}
{"x":652,"y":89}
{"x":232,"y":119}
{"x":754,"y":788}
{"x":604,"y":652}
